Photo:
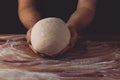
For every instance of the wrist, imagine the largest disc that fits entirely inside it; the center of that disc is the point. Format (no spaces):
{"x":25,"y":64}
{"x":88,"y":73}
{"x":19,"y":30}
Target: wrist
{"x":73,"y":28}
{"x":77,"y":30}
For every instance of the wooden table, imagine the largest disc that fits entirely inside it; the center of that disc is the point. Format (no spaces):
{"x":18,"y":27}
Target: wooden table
{"x":93,"y":57}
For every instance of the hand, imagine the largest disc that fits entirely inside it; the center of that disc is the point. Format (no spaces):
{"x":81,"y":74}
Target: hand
{"x":73,"y":40}
{"x":71,"y":44}
{"x":28,"y":37}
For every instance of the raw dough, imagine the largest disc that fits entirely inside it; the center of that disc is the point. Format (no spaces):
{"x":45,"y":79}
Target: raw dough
{"x":50,"y":36}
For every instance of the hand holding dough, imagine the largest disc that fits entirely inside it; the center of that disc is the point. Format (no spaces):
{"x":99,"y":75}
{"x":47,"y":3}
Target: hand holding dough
{"x":50,"y":36}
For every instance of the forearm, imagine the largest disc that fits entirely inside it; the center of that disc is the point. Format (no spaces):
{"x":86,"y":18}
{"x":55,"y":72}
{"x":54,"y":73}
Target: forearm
{"x":29,"y":16}
{"x":81,"y":18}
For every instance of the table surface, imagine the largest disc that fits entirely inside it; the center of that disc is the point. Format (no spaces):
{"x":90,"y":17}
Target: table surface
{"x":93,"y":57}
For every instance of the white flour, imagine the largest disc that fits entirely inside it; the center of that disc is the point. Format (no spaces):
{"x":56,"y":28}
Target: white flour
{"x":106,"y":64}
{"x":14,"y":74}
{"x":9,"y":52}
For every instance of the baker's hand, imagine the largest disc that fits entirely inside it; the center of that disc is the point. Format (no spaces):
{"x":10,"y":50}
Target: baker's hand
{"x":73,"y":40}
{"x":28,"y":37}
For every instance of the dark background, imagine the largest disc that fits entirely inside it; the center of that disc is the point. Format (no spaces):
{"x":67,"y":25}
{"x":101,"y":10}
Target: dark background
{"x":9,"y":21}
{"x":107,"y":19}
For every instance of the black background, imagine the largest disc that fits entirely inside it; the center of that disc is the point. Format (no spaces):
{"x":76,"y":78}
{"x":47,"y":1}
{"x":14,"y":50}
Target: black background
{"x":107,"y":19}
{"x":9,"y":21}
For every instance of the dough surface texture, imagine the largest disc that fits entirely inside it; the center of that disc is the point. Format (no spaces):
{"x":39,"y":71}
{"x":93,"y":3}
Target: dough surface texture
{"x":50,"y":36}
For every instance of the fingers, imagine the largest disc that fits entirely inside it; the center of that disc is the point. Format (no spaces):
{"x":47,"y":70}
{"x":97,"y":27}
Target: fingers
{"x":29,"y":36}
{"x":65,"y":50}
{"x":73,"y":39}
{"x":72,"y":42}
{"x":32,"y":48}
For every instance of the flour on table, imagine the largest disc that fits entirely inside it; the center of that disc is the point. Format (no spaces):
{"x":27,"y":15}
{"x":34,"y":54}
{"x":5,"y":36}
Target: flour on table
{"x":14,"y":74}
{"x":9,"y":52}
{"x":104,"y":65}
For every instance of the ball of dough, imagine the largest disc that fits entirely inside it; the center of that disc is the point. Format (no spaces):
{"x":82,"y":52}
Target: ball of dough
{"x":50,"y":36}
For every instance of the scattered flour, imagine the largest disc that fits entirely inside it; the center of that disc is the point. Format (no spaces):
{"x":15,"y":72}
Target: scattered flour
{"x":9,"y":52}
{"x":14,"y":74}
{"x":101,"y":64}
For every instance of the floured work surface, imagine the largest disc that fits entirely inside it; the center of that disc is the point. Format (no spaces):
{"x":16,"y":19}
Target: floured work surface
{"x":93,"y":58}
